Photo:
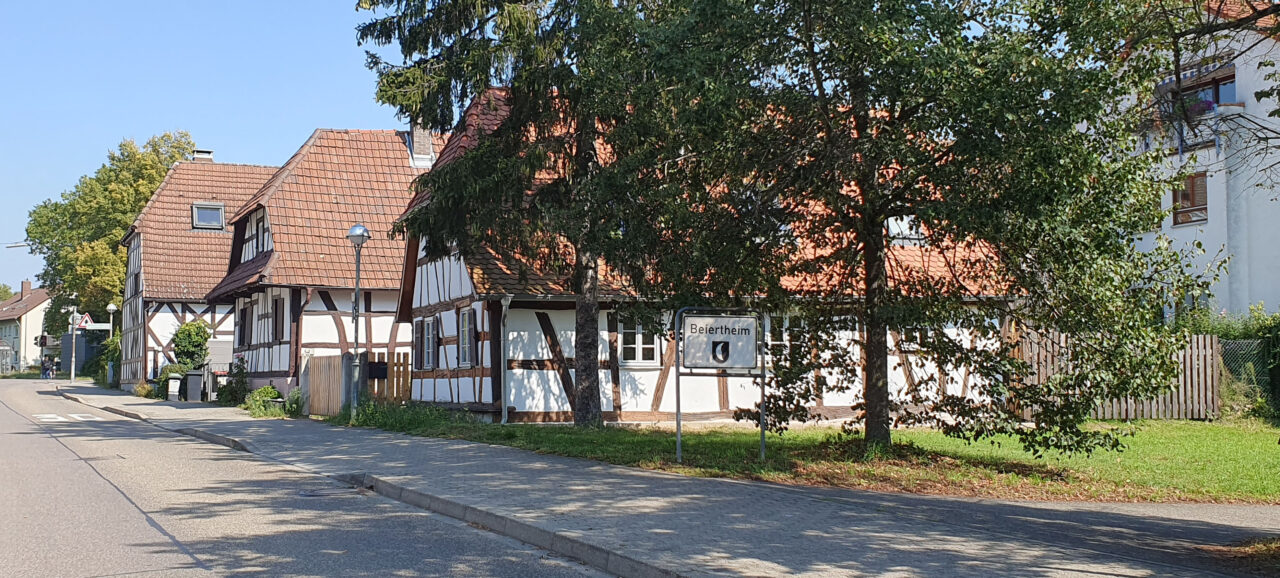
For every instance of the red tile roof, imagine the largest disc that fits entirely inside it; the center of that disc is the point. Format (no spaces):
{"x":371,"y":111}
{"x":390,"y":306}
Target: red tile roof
{"x":337,"y":179}
{"x":17,"y":306}
{"x":482,"y":116}
{"x":180,"y":262}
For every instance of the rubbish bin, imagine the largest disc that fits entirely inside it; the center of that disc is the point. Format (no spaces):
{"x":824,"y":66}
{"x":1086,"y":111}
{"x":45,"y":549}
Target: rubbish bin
{"x":195,"y":383}
{"x":175,"y":386}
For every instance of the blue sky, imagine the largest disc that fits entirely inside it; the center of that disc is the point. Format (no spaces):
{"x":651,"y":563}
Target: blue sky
{"x":249,"y":80}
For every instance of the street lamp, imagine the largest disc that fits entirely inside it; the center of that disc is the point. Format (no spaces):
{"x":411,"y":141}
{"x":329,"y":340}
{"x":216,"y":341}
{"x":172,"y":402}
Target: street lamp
{"x":357,"y":235}
{"x":111,"y":320}
{"x":74,"y":320}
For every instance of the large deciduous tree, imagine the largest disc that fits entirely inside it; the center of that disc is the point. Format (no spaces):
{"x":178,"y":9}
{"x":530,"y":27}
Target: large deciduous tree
{"x":79,"y":235}
{"x":537,"y":189}
{"x":937,"y":176}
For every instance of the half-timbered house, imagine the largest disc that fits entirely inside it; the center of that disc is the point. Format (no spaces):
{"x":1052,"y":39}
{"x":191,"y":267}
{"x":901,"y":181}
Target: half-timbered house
{"x":177,"y":251}
{"x":291,"y":274}
{"x":497,"y":337}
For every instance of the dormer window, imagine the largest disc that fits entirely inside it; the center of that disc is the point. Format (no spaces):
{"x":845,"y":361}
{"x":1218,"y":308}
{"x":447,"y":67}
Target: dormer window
{"x":206,"y":216}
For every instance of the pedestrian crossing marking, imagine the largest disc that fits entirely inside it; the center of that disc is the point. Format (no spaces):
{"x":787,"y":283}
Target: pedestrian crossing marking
{"x":55,"y":418}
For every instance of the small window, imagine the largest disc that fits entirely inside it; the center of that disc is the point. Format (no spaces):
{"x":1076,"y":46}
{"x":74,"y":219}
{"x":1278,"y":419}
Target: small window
{"x":638,"y":347}
{"x":277,"y":319}
{"x":243,"y":327}
{"x":206,"y":216}
{"x":466,"y":338}
{"x":259,"y":237}
{"x":425,"y":343}
{"x":1190,"y":203}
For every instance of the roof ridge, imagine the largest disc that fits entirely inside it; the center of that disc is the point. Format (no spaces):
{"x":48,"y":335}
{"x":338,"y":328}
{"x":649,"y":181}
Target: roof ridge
{"x":222,"y":164}
{"x":269,"y":188}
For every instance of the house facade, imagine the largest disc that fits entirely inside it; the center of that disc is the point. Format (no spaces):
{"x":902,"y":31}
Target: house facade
{"x":21,"y":323}
{"x":1228,"y":202}
{"x":177,"y":250}
{"x":495,"y":336}
{"x":291,"y":275}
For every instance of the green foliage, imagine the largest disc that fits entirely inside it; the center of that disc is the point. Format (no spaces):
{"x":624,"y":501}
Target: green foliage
{"x":191,"y":343}
{"x":831,"y":141}
{"x":408,"y":418}
{"x":143,"y":389}
{"x":293,"y":403}
{"x":260,"y":403}
{"x":78,"y":235}
{"x":1243,"y":395}
{"x":1256,"y":324}
{"x":236,"y":389}
{"x":172,"y":368}
{"x":5,"y":291}
{"x":558,"y":95}
{"x":108,"y":352}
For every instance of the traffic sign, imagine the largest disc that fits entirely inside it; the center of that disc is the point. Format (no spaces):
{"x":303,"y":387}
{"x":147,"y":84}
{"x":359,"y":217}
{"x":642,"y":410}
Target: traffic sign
{"x":720,"y":341}
{"x":96,"y":326}
{"x":85,"y":321}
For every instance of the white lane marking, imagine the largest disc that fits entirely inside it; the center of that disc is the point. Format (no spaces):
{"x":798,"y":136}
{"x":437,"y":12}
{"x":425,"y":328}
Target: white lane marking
{"x":84,"y":417}
{"x":49,"y":417}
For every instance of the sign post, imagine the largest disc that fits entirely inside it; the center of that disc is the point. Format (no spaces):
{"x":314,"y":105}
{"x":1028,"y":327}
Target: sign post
{"x":719,"y":342}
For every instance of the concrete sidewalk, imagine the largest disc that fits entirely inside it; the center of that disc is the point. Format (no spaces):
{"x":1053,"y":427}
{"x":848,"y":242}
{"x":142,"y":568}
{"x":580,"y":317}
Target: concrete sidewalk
{"x":637,"y":523}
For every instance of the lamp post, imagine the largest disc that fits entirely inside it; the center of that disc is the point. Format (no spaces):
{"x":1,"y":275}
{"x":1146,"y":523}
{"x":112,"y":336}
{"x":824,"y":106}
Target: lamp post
{"x":74,"y":320}
{"x":111,"y":320}
{"x":357,"y":235}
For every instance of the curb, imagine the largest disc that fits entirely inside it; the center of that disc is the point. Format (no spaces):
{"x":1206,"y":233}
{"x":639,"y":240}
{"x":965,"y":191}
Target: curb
{"x":558,"y":542}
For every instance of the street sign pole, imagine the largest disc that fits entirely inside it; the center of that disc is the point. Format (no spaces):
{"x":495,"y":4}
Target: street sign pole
{"x":719,"y":354}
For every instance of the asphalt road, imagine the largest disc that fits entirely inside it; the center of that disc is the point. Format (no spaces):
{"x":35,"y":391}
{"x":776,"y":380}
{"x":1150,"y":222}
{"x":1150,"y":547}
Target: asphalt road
{"x":88,"y":493}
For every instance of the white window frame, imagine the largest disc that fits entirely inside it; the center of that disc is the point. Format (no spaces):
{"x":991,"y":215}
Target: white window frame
{"x":467,"y":338}
{"x":641,"y":341}
{"x":467,"y":357}
{"x":195,"y":222}
{"x":427,"y":354}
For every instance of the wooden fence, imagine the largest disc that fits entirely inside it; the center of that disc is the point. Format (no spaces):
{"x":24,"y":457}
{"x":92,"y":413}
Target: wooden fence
{"x":323,"y":379}
{"x":398,"y":384}
{"x":1196,"y":396}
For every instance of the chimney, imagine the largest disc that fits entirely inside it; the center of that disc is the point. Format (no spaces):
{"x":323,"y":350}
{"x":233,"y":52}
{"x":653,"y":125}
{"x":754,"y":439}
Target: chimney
{"x":202,"y":156}
{"x":26,"y":289}
{"x":422,"y":150}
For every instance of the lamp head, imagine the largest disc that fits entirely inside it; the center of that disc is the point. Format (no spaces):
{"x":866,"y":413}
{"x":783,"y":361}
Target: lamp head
{"x":111,"y":308}
{"x":358,"y":235}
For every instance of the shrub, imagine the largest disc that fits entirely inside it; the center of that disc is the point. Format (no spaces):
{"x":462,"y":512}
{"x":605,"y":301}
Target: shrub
{"x":236,"y":389}
{"x":142,"y":389}
{"x":191,"y":343}
{"x":293,"y":403}
{"x":260,"y":403}
{"x":165,"y":370}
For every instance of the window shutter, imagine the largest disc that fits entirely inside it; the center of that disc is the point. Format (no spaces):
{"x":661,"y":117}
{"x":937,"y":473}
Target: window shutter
{"x":417,"y":344}
{"x":1199,"y":190}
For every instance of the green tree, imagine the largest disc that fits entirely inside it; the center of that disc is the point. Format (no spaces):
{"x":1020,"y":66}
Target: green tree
{"x":6,"y":291}
{"x":997,"y":139}
{"x":543,"y":55}
{"x":78,"y":235}
{"x":191,"y":344}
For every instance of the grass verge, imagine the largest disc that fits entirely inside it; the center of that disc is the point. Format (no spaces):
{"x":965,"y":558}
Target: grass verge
{"x":1259,"y":557}
{"x":1167,"y":461}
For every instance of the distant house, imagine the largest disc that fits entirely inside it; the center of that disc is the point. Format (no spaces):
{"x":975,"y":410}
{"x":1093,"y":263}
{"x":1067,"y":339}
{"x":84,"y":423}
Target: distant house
{"x":21,"y":322}
{"x":177,"y":251}
{"x":1228,"y":202}
{"x":292,"y":271}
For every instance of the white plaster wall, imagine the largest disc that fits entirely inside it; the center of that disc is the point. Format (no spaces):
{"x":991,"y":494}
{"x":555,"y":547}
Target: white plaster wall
{"x":1242,"y":205}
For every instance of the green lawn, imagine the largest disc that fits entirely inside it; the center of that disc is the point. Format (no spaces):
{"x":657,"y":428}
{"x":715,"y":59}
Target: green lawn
{"x":1237,"y":461}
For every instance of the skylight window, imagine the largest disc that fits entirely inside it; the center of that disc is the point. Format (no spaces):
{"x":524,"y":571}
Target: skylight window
{"x":206,"y":216}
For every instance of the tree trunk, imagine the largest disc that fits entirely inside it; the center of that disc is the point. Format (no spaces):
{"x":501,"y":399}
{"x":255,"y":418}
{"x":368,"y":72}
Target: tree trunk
{"x":875,"y":379}
{"x":586,"y":343}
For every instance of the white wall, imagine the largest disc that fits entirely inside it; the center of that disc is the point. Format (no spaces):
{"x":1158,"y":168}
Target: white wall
{"x":1242,"y":199}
